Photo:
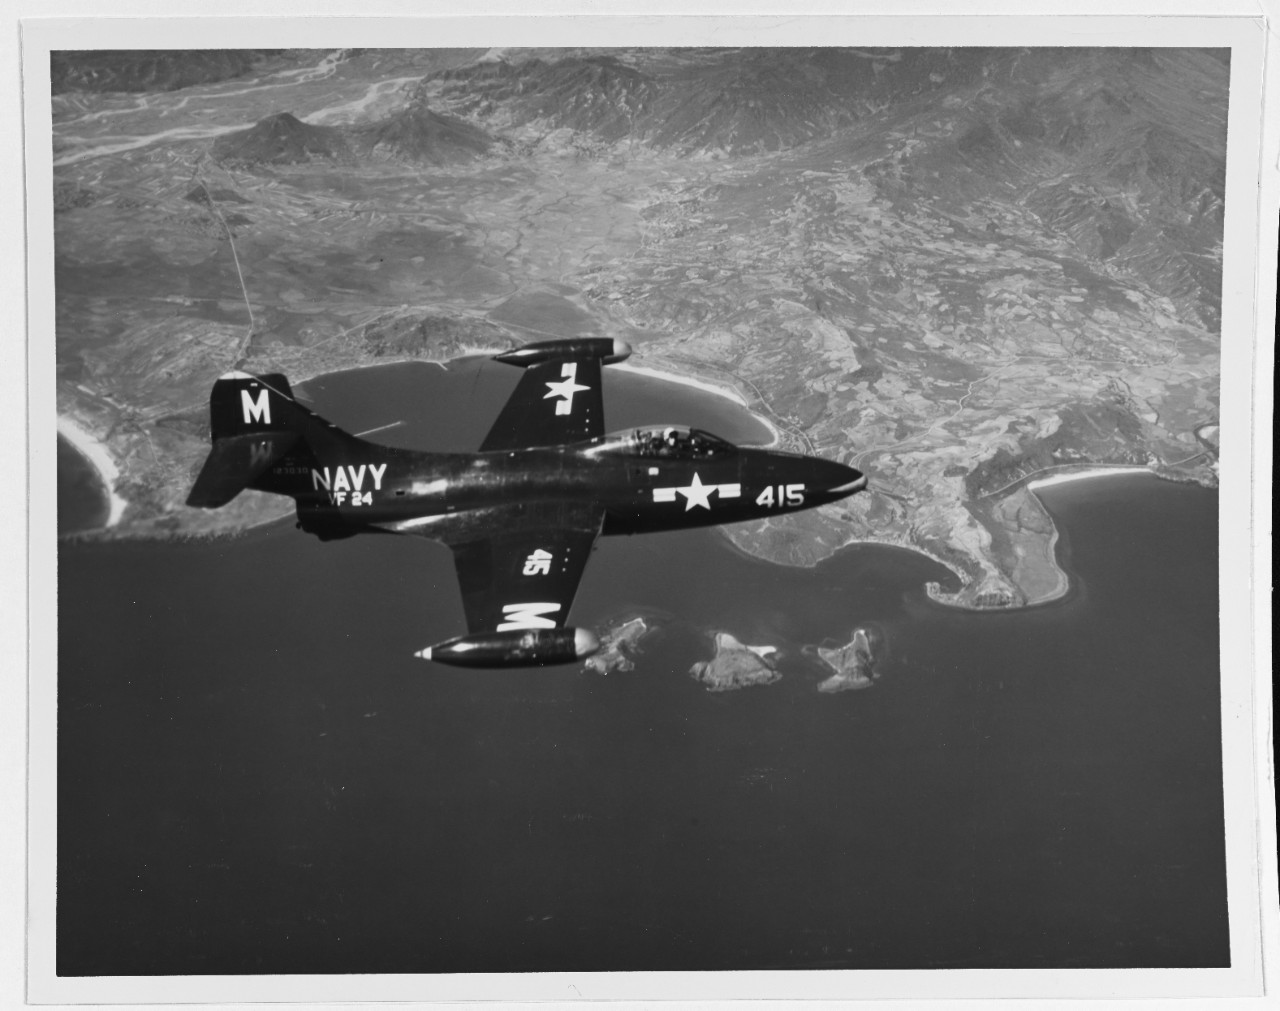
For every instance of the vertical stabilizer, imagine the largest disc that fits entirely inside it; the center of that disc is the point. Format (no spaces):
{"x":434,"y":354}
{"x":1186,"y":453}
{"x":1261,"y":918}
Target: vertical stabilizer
{"x":255,"y":422}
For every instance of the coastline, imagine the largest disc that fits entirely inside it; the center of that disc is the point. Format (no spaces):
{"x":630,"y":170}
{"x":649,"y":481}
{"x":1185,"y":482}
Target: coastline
{"x":99,"y":457}
{"x":1051,"y":552}
{"x":647,"y":370}
{"x":96,"y":453}
{"x":1084,"y":475}
{"x":887,"y":542}
{"x":1063,"y":582}
{"x":719,"y":390}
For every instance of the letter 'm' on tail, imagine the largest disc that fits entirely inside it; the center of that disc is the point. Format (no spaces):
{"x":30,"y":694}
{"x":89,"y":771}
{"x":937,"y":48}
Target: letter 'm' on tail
{"x":249,"y":423}
{"x":255,"y":423}
{"x":241,"y":404}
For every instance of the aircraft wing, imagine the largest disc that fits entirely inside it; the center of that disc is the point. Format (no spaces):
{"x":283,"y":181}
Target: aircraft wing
{"x":557,"y":401}
{"x":525,"y":573}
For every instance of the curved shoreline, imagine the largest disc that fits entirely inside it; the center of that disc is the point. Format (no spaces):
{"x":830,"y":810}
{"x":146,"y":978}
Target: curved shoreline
{"x":1063,"y":583}
{"x":885,"y":542}
{"x":101,"y":461}
{"x":647,"y":370}
{"x":1063,"y":586}
{"x":727,"y":392}
{"x":1083,"y":475}
{"x":1064,"y":580}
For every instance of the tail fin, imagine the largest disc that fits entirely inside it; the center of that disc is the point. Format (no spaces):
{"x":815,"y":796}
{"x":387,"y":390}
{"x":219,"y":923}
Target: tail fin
{"x":254,"y":423}
{"x":241,"y":404}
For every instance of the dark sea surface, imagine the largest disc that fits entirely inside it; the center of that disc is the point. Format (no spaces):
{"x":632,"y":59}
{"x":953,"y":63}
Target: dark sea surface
{"x":256,"y":775}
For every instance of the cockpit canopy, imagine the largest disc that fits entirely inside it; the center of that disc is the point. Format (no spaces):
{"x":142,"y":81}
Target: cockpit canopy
{"x":668,"y":441}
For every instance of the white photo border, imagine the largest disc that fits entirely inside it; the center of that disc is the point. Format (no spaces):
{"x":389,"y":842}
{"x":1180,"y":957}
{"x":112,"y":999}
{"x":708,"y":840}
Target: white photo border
{"x":1245,"y":706}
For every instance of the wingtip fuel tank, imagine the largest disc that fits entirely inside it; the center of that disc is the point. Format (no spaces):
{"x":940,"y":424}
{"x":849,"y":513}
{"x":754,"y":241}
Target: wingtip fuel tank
{"x":608,"y":349}
{"x":519,"y":648}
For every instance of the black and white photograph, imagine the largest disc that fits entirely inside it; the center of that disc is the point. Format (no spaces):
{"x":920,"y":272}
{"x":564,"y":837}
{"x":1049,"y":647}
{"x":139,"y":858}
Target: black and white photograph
{"x":604,"y":506}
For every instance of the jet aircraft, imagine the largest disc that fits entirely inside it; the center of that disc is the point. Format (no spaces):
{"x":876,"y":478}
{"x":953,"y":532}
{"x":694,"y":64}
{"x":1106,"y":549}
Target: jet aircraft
{"x":521,"y":516}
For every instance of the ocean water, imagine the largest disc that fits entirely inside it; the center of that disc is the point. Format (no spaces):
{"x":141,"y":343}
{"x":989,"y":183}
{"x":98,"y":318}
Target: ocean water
{"x":256,"y":775}
{"x":82,"y":505}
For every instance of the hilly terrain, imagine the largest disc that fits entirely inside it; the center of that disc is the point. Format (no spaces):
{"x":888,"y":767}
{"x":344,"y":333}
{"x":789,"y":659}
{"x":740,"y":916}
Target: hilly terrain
{"x":955,"y":269}
{"x":108,"y":70}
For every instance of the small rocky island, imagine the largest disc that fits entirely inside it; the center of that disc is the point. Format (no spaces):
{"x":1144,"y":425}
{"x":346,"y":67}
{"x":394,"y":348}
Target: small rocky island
{"x":853,"y":663}
{"x":736,"y":665}
{"x":618,"y":647}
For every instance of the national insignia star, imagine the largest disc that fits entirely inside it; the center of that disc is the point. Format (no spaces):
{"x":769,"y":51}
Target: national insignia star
{"x":565,"y":389}
{"x":697,"y":493}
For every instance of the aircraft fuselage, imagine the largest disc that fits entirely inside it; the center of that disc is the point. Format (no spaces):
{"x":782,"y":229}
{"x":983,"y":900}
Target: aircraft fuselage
{"x":521,"y":516}
{"x":415,"y":492}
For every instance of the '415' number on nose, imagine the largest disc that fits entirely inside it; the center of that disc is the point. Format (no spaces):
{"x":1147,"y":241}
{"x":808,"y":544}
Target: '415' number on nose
{"x":781,"y":495}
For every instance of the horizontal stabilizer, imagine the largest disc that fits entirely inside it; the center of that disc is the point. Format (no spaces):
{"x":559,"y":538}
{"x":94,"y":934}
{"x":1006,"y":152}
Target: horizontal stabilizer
{"x":234,"y":463}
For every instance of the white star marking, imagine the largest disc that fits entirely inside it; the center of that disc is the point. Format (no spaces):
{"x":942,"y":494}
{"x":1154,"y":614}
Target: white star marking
{"x":565,"y":389}
{"x":733,"y":490}
{"x":697,"y":493}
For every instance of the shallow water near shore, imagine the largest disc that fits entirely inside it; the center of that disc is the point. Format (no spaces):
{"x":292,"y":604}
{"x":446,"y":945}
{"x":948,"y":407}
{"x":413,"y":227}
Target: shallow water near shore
{"x":82,"y":500}
{"x":256,"y":775}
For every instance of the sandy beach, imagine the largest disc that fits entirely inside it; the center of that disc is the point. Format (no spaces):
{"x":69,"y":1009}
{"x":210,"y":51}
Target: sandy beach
{"x":672,"y":377}
{"x":1084,"y":475}
{"x":96,"y":453}
{"x":728,"y":392}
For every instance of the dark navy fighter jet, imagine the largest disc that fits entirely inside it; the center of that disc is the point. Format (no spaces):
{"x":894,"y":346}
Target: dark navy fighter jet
{"x":522,"y":514}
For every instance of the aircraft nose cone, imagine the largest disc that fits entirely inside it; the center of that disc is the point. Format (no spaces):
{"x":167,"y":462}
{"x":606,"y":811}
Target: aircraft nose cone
{"x":843,"y":481}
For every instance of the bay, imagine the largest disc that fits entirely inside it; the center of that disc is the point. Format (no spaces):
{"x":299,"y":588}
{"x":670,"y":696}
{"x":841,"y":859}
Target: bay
{"x":82,"y":501}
